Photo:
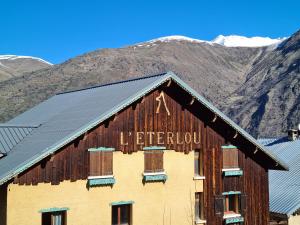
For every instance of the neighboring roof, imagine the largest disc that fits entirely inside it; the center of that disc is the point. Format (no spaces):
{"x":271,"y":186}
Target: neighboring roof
{"x":284,"y":186}
{"x":66,"y":116}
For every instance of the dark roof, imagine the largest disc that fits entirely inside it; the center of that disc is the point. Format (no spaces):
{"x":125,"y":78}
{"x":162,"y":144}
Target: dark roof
{"x":66,"y":116}
{"x":11,"y":135}
{"x":284,"y":186}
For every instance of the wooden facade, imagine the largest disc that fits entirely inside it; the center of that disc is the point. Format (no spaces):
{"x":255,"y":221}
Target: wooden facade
{"x":175,"y":122}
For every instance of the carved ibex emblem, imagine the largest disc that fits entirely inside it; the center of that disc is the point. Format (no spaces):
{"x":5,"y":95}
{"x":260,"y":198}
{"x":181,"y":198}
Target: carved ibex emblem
{"x":161,"y":98}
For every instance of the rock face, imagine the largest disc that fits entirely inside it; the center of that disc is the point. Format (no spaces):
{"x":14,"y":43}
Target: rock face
{"x":13,"y":66}
{"x":256,"y":86}
{"x":267,"y":104}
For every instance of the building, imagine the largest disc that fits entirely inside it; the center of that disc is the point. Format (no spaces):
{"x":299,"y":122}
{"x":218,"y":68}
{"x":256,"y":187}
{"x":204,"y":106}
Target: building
{"x":285,"y":185}
{"x":144,"y":151}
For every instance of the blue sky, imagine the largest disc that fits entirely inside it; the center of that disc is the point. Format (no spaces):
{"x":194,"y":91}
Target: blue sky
{"x":58,"y":30}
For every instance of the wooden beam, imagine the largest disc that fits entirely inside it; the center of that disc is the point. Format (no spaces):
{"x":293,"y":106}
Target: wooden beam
{"x":235,"y":135}
{"x":85,"y":136}
{"x":114,"y":117}
{"x":214,"y":119}
{"x":169,"y":83}
{"x":255,"y":151}
{"x":192,"y":101}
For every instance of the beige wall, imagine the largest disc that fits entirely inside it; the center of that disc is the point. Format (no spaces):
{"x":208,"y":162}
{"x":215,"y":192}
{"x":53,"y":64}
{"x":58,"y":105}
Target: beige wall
{"x":294,"y":220}
{"x":154,"y":203}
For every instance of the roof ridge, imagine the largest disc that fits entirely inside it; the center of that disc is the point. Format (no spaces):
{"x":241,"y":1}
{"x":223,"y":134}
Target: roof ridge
{"x":113,"y":83}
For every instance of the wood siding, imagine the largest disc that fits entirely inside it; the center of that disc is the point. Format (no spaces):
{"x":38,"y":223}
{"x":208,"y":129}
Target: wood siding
{"x":72,"y":162}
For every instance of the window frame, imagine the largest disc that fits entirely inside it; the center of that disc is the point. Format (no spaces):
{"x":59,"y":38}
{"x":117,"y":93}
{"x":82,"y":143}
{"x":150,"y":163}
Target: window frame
{"x":199,"y":207}
{"x":198,"y":163}
{"x":52,"y":214}
{"x":232,"y":200}
{"x":119,"y":214}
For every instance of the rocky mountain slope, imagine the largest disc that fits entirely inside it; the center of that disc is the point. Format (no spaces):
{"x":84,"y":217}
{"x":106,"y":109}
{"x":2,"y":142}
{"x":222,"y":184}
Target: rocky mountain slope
{"x":14,"y":66}
{"x":233,"y":78}
{"x":267,"y":104}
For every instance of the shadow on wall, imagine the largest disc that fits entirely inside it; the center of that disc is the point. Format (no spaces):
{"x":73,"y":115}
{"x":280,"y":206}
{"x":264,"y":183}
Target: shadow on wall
{"x":3,"y":204}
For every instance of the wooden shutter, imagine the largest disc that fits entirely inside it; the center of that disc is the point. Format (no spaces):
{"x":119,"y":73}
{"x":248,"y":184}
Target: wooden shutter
{"x":101,"y":163}
{"x":219,"y":205}
{"x":159,"y":161}
{"x":230,"y":158}
{"x":148,"y":161}
{"x":153,"y":161}
{"x":107,"y":162}
{"x":243,"y":203}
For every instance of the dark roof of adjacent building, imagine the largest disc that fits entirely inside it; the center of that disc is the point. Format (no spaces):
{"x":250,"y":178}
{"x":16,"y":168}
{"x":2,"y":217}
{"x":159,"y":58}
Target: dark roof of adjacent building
{"x":66,"y":116}
{"x":284,"y":186}
{"x":11,"y":135}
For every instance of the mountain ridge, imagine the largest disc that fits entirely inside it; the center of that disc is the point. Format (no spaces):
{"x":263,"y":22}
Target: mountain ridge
{"x":238,"y":80}
{"x":14,"y":65}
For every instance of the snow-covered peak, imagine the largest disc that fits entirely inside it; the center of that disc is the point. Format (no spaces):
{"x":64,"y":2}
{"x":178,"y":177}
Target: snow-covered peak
{"x":175,"y":38}
{"x":240,"y":41}
{"x":14,"y":57}
{"x":227,"y":41}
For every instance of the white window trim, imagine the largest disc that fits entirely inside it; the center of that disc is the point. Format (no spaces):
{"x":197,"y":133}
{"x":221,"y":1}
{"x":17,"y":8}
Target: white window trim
{"x":196,"y":177}
{"x":154,"y":173}
{"x":99,"y":177}
{"x":231,"y":169}
{"x":232,"y":215}
{"x":199,"y":221}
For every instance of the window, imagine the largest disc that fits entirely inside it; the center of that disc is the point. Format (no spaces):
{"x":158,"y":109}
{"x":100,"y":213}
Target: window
{"x":198,"y":162}
{"x":121,"y":214}
{"x":199,"y":209}
{"x":230,"y":158}
{"x":101,"y":163}
{"x":154,"y":162}
{"x":54,"y":218}
{"x":232,"y":204}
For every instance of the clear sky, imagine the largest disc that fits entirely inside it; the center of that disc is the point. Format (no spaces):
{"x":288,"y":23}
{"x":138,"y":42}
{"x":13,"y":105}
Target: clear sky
{"x":57,"y":30}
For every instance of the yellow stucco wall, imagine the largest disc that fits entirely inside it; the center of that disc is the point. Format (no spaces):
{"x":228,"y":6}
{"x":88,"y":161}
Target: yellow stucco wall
{"x":294,"y":220}
{"x":154,"y":203}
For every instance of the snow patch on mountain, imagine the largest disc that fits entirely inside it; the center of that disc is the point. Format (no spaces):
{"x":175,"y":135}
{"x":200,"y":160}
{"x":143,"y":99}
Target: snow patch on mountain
{"x":175,"y":38}
{"x":240,"y":41}
{"x":14,"y":57}
{"x":227,"y":41}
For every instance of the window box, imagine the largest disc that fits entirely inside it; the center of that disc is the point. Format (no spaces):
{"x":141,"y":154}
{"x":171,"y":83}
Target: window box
{"x":232,"y":172}
{"x":160,"y":176}
{"x":101,"y":180}
{"x":233,"y":218}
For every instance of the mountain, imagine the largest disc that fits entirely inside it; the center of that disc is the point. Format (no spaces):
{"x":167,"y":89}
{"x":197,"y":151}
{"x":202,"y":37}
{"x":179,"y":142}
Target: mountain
{"x":13,"y":65}
{"x":225,"y":70}
{"x":271,"y":94}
